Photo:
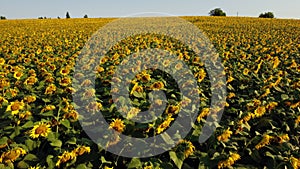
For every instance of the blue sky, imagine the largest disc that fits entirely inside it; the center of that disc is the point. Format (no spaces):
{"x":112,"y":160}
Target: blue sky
{"x":14,"y":9}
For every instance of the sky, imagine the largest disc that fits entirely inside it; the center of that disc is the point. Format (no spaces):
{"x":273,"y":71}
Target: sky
{"x":20,"y":9}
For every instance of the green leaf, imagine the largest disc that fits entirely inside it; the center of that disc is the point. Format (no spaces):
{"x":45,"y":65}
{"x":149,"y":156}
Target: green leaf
{"x":255,"y":156}
{"x":47,"y":114}
{"x":28,"y":124}
{"x":103,"y":160}
{"x":284,"y":97}
{"x":50,"y":162}
{"x":22,"y":164}
{"x":81,"y":166}
{"x":66,"y":123}
{"x":56,"y":143}
{"x":31,"y":157}
{"x":30,"y":144}
{"x":178,"y":162}
{"x":16,"y":132}
{"x":72,"y":141}
{"x":51,"y":136}
{"x":135,"y":163}
{"x":3,"y":140}
{"x":46,"y":100}
{"x":138,"y":94}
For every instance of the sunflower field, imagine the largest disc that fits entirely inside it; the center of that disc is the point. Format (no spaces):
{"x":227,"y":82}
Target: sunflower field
{"x":39,"y":122}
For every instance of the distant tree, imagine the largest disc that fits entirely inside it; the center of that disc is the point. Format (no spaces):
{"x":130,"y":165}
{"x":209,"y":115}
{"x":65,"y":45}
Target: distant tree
{"x":267,"y":15}
{"x":68,"y":15}
{"x":217,"y":12}
{"x":85,"y":16}
{"x":2,"y":17}
{"x":58,"y":17}
{"x":41,"y":17}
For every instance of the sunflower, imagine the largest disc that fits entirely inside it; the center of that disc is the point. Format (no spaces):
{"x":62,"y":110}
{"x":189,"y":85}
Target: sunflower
{"x":295,"y":162}
{"x":30,"y":80}
{"x":30,"y":99}
{"x":246,"y":71}
{"x":178,"y":66}
{"x":276,"y":62}
{"x":39,"y":51}
{"x":172,"y":109}
{"x":2,"y":101}
{"x":36,"y":167}
{"x":65,"y":81}
{"x":136,"y":88}
{"x":64,"y":71}
{"x":4,"y":82}
{"x":11,"y":155}
{"x":86,"y":83}
{"x":12,"y":92}
{"x":48,"y":108}
{"x":72,"y":114}
{"x":27,"y":60}
{"x":40,"y":130}
{"x":188,"y":147}
{"x":89,"y":93}
{"x":145,"y":77}
{"x":115,"y":139}
{"x":225,"y":136}
{"x":164,"y":124}
{"x":132,"y":113}
{"x":2,"y":61}
{"x":283,"y":138}
{"x":260,"y":111}
{"x":18,"y":75}
{"x":272,"y":105}
{"x":297,"y":121}
{"x":50,"y":89}
{"x":118,"y":125}
{"x":230,"y":161}
{"x":157,"y":85}
{"x":15,"y":107}
{"x":81,"y":150}
{"x":265,"y":141}
{"x":52,"y":67}
{"x":93,"y":107}
{"x":203,"y":114}
{"x":66,"y":156}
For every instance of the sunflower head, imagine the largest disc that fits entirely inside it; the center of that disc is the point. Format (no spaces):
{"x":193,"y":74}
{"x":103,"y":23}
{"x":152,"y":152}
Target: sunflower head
{"x":18,"y":75}
{"x":15,"y":107}
{"x":40,"y":130}
{"x":118,"y":125}
{"x":157,"y":85}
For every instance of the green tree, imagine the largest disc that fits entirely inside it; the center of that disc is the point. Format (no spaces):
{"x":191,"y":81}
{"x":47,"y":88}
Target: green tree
{"x":217,"y":12}
{"x":68,"y":15}
{"x":267,"y":15}
{"x":85,"y":16}
{"x":2,"y":17}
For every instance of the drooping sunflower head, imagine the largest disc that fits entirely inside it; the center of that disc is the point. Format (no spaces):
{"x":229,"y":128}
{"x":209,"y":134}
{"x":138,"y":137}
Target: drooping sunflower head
{"x":12,"y":155}
{"x":187,"y":147}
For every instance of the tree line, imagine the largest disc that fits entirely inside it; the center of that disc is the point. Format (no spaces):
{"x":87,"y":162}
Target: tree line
{"x":214,"y":12}
{"x":220,"y":12}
